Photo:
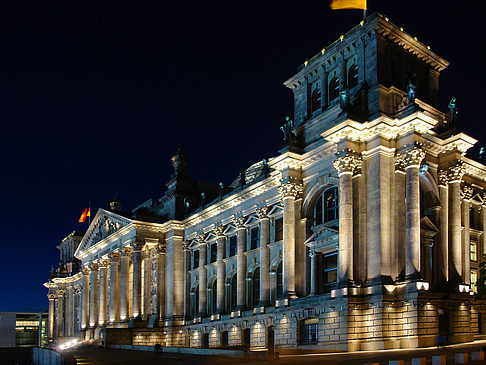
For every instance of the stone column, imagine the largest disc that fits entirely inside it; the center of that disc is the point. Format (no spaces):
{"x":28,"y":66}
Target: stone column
{"x":345,"y":166}
{"x":466,"y":205}
{"x":93,"y":295}
{"x":483,"y":216}
{"x":203,"y":250}
{"x":289,"y":192}
{"x":220,"y":268}
{"x":313,"y":282}
{"x":114,"y":287}
{"x":174,"y":276}
{"x":444,"y":227}
{"x":60,"y":313}
{"x":102,"y":308}
{"x":50,"y":329}
{"x":454,"y":175}
{"x":137,"y":281}
{"x":161,"y":281}
{"x":240,"y":263}
{"x":412,"y":160}
{"x":262,"y":214}
{"x":124,"y":282}
{"x":69,"y":311}
{"x":85,"y":299}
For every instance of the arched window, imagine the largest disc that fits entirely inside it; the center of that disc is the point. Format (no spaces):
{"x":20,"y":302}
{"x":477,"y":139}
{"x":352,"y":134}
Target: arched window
{"x":279,"y":286}
{"x":315,"y":97}
{"x":234,"y":295}
{"x":255,"y":279}
{"x":327,"y":207}
{"x":333,"y":88}
{"x":352,"y":76}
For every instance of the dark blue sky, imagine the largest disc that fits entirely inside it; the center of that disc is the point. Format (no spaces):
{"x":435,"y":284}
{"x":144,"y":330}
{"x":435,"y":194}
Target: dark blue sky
{"x":96,"y":99}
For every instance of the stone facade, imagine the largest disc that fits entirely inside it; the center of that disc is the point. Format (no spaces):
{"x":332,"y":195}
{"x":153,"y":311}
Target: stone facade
{"x":365,"y":232}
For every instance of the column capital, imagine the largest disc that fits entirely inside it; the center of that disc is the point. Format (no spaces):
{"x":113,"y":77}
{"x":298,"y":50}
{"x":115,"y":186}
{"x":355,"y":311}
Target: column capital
{"x":290,"y":190}
{"x":262,"y":212}
{"x":347,"y":164}
{"x":94,"y":266}
{"x":467,"y":192}
{"x":51,"y":296}
{"x":60,"y":293}
{"x":126,"y":251}
{"x":86,"y":270}
{"x":443,"y":178}
{"x":115,"y":256}
{"x":413,"y":157}
{"x":219,"y":231}
{"x":201,"y":239}
{"x":239,"y":222}
{"x":104,"y":263}
{"x":138,"y":245}
{"x":455,"y":172}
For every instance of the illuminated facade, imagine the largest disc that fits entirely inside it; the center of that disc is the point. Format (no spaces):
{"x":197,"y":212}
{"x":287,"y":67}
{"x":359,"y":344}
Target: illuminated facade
{"x":363,"y":233}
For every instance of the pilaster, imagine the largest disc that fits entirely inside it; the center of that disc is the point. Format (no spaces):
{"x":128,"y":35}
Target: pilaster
{"x":264,"y":220}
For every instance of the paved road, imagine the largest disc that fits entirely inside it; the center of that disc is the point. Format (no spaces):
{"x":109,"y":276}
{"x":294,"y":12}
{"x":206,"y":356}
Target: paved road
{"x":124,"y":357}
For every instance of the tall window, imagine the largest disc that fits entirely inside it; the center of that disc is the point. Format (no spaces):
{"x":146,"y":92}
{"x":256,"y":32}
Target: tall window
{"x":232,"y":245}
{"x":212,"y":298}
{"x":234,"y":295}
{"x":254,"y":238}
{"x":474,"y":279}
{"x":279,"y":286}
{"x":308,"y":331}
{"x":474,"y":250}
{"x":329,"y":272}
{"x":315,"y":97}
{"x":333,"y":88}
{"x":195,"y":301}
{"x":255,"y":279}
{"x":326,"y":208}
{"x":214,"y":252}
{"x":278,"y":229}
{"x":195,"y":259}
{"x":352,"y":76}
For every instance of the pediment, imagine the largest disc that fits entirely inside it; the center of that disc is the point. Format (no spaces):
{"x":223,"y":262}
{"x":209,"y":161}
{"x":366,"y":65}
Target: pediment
{"x":104,"y":224}
{"x":427,"y":225}
{"x":322,"y":235}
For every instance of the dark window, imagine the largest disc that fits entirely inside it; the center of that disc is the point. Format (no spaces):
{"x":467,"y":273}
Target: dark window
{"x":195,"y":302}
{"x":234,"y":293}
{"x":329,"y":265}
{"x":246,"y":337}
{"x":195,"y":259}
{"x":254,"y":238}
{"x":308,"y":330}
{"x":212,"y":303}
{"x":256,"y":287}
{"x":278,"y":229}
{"x":318,"y":212}
{"x":279,"y":280}
{"x":205,"y":340}
{"x":352,"y":76}
{"x":232,"y":245}
{"x":333,"y":89}
{"x":330,"y":202}
{"x":472,"y":220}
{"x":214,"y":252}
{"x":224,"y":338}
{"x":315,"y":97}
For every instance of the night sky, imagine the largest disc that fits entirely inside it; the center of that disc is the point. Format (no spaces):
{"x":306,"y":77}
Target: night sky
{"x":95,"y":100}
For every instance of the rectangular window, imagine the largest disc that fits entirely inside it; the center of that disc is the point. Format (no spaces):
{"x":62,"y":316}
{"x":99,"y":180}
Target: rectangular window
{"x":214,"y":252}
{"x":195,"y":259}
{"x":318,"y":213}
{"x":474,"y":279}
{"x":309,"y":331}
{"x":329,"y":272}
{"x":232,"y":245}
{"x":254,"y":238}
{"x":474,"y":251}
{"x":278,"y":229}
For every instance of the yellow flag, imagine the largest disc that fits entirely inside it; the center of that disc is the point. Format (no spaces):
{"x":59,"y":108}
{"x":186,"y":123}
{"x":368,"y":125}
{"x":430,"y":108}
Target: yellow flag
{"x":348,"y":4}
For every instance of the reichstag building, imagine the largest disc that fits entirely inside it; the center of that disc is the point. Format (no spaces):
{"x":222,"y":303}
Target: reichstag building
{"x":365,"y":232}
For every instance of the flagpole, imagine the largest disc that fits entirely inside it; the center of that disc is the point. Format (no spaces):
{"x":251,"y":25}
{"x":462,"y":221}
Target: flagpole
{"x":89,"y":217}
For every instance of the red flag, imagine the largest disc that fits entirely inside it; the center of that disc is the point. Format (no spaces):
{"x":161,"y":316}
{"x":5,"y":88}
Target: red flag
{"x":85,"y":213}
{"x":89,"y":212}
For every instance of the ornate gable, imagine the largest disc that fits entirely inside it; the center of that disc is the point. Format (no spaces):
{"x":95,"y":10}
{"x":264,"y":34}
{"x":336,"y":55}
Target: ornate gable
{"x":104,"y":224}
{"x":323,"y":235}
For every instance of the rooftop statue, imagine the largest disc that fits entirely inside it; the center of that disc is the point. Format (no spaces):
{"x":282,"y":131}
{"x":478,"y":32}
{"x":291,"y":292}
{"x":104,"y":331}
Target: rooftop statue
{"x":287,"y":130}
{"x":344,"y":99}
{"x":411,"y":88}
{"x":452,"y":112}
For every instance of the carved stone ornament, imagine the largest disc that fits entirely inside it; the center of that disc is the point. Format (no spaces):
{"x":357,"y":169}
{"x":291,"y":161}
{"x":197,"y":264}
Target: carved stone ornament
{"x":200,"y":239}
{"x":413,"y":157}
{"x":290,"y":190}
{"x":115,"y":256}
{"x":104,"y":226}
{"x":162,"y":249}
{"x":399,"y":163}
{"x":51,"y":296}
{"x":468,"y":192}
{"x":60,"y":293}
{"x":127,"y":251}
{"x":239,"y":222}
{"x":347,"y":164}
{"x":262,"y":212}
{"x":105,"y":263}
{"x":94,"y":266}
{"x":138,"y":245}
{"x":153,"y":252}
{"x":86,"y":270}
{"x":456,"y":172}
{"x":219,"y":231}
{"x":443,"y":178}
